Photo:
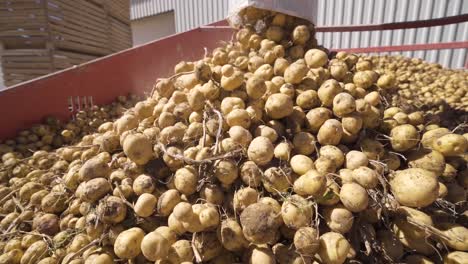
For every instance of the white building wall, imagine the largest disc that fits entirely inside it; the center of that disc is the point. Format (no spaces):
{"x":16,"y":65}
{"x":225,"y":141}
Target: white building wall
{"x":153,"y":27}
{"x":193,"y":13}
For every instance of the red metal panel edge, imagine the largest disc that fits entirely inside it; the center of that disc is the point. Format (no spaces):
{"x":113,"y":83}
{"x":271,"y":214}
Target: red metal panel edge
{"x":429,"y":46}
{"x":397,"y":25}
{"x":133,"y":70}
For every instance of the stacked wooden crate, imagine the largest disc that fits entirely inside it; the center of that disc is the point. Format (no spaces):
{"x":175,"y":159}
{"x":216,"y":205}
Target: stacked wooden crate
{"x":43,"y":36}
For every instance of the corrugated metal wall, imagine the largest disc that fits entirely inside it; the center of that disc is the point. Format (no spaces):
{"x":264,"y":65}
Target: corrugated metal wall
{"x":346,"y":12}
{"x":188,"y":13}
{"x":192,"y":13}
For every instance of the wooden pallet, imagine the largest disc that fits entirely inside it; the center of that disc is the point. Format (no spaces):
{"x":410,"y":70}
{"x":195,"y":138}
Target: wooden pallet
{"x":25,"y":64}
{"x":43,"y":36}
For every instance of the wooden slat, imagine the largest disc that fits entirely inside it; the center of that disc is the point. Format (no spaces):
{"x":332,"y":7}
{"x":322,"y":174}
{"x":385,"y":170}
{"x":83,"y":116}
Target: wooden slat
{"x":78,"y":18}
{"x":69,"y":45}
{"x":84,"y":6}
{"x":74,"y":55}
{"x":26,"y":65}
{"x":60,"y":30}
{"x":21,"y":33}
{"x":7,"y":59}
{"x":56,"y":25}
{"x":80,"y":40}
{"x":20,"y":5}
{"x":26,"y":71}
{"x":25,"y":52}
{"x":78,"y":9}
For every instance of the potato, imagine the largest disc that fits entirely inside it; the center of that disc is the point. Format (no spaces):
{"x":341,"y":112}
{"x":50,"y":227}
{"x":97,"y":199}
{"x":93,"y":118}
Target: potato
{"x":175,"y":225}
{"x":266,"y":131}
{"x":312,"y":183}
{"x":338,"y":69}
{"x":95,"y":189}
{"x":308,"y":99}
{"x":145,"y":205}
{"x":372,"y":148}
{"x":354,"y":197}
{"x":166,"y":119}
{"x":283,"y":151}
{"x":304,"y":143}
{"x":128,"y":243}
{"x":260,"y":150}
{"x":11,"y":257}
{"x":230,"y":235}
{"x":315,"y":58}
{"x":259,"y":223}
{"x":143,"y":184}
{"x":244,"y":197}
{"x":334,"y":248}
{"x":276,"y":180}
{"x":430,"y":160}
{"x":226,"y":171}
{"x":386,"y":81}
{"x":46,"y":224}
{"x":112,"y":210}
{"x":125,"y":123}
{"x":255,"y":87}
{"x":451,"y":145}
{"x":167,"y":201}
{"x":297,"y":212}
{"x":278,"y":106}
{"x":154,"y":246}
{"x":230,"y":103}
{"x":415,"y":187}
{"x":306,"y":241}
{"x":317,"y":116}
{"x":343,"y":104}
{"x":295,"y":72}
{"x":233,"y":81}
{"x":455,"y":257}
{"x":429,"y":137}
{"x":404,"y":137}
{"x":209,"y":217}
{"x":363,"y":79}
{"x":273,"y":203}
{"x":209,"y":90}
{"x":331,"y":195}
{"x":262,"y":255}
{"x":338,"y":218}
{"x":48,"y":260}
{"x":366,"y":177}
{"x":250,"y":174}
{"x":180,"y":251}
{"x":207,"y":245}
{"x":301,"y":164}
{"x":275,"y":33}
{"x":265,"y":72}
{"x":330,"y":132}
{"x":186,"y":180}
{"x":280,"y":66}
{"x":138,"y":148}
{"x":296,"y":52}
{"x":300,"y":35}
{"x":35,"y":252}
{"x":455,"y":236}
{"x":333,"y":153}
{"x":93,"y":168}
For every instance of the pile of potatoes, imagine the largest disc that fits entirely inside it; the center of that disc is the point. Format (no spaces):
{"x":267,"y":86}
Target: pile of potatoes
{"x":265,"y":151}
{"x":53,"y":134}
{"x":427,"y":85}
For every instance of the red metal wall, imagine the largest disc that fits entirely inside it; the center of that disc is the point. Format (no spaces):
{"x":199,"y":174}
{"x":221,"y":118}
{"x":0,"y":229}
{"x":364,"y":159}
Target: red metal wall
{"x":133,"y":70}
